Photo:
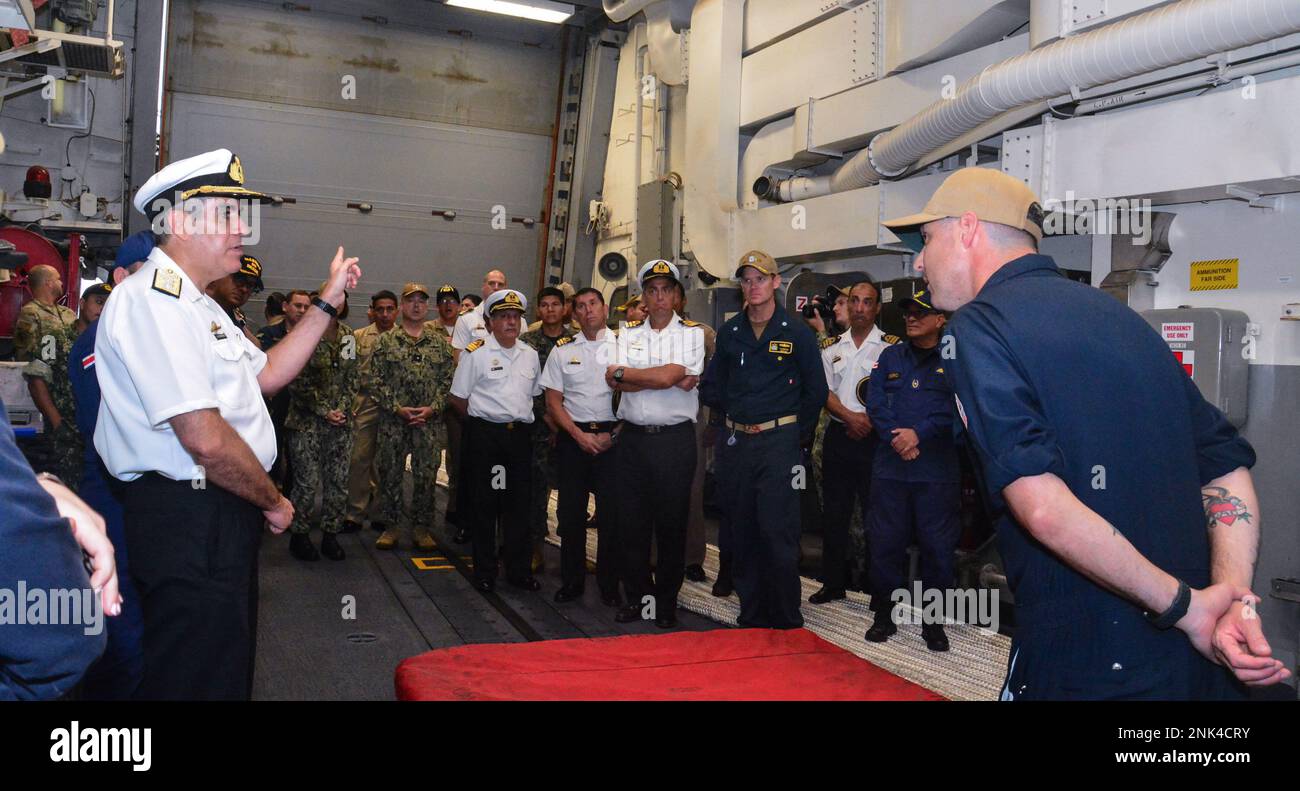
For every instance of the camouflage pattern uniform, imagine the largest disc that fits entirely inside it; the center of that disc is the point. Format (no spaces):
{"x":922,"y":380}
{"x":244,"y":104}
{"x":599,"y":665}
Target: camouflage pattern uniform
{"x":410,"y":372}
{"x":363,"y":478}
{"x":546,"y":476}
{"x":43,"y":336}
{"x":320,"y":451}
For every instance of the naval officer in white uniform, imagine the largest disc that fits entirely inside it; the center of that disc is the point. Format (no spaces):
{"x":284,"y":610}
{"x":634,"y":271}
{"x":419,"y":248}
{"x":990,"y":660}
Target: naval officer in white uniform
{"x":494,"y":387}
{"x":182,"y":421}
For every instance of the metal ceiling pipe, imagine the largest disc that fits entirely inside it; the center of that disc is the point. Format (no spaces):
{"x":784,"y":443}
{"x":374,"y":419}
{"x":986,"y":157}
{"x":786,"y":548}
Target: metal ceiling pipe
{"x":623,"y":10}
{"x":1167,"y":36}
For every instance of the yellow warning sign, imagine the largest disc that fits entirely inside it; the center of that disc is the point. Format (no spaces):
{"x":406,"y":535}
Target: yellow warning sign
{"x":1214,"y":275}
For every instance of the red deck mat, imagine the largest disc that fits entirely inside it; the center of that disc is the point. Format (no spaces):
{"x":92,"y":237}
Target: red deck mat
{"x":724,"y":664}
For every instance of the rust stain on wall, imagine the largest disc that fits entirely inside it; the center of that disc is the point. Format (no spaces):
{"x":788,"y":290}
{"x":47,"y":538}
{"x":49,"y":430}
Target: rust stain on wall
{"x":456,"y":74}
{"x":280,"y":50}
{"x":201,"y":39}
{"x":367,"y":62}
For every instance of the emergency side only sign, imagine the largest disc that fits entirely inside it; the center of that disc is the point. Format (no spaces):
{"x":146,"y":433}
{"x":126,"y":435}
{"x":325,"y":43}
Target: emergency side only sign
{"x":1178,"y":334}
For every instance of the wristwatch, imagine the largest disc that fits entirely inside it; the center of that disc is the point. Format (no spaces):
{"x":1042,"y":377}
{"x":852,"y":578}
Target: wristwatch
{"x":618,"y":374}
{"x":325,"y":306}
{"x":1176,"y":610}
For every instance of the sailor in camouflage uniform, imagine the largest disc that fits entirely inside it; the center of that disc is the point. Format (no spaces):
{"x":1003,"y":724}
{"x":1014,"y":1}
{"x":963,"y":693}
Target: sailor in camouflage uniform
{"x":410,"y":374}
{"x":320,"y":438}
{"x":546,"y":476}
{"x":43,"y":335}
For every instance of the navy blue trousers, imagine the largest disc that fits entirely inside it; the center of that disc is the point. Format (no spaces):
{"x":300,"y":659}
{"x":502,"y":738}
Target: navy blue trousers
{"x":757,"y":485}
{"x":900,"y":512}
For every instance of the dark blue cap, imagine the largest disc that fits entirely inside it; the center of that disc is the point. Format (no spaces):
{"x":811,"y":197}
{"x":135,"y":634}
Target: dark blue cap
{"x":135,"y":247}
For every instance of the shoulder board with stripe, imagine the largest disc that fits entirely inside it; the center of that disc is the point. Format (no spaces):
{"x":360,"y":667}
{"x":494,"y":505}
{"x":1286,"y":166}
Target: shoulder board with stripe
{"x":463,"y":311}
{"x":634,"y":323}
{"x":474,"y":345}
{"x":689,"y":323}
{"x":892,"y":338}
{"x":564,"y":340}
{"x":831,"y":341}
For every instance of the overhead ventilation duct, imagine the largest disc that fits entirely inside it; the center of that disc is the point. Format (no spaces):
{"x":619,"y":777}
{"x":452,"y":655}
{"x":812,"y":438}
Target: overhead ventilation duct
{"x":1168,"y":36}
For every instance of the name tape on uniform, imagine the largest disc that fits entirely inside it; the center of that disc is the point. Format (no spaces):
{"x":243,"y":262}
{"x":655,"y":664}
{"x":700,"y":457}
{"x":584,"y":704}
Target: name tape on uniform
{"x":1215,"y":275}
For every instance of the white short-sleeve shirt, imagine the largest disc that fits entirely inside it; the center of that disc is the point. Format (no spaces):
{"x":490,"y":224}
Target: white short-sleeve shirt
{"x":469,"y":327}
{"x":165,"y":348}
{"x":576,"y":368}
{"x":499,"y":383}
{"x":678,"y":343}
{"x":848,"y":366}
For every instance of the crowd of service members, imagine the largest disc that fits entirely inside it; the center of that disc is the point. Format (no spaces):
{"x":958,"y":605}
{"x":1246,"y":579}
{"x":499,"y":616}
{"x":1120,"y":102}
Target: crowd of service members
{"x":433,"y":372}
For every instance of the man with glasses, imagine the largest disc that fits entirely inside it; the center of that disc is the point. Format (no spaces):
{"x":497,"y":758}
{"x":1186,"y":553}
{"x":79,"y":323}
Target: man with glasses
{"x":767,"y":378}
{"x":916,"y":478}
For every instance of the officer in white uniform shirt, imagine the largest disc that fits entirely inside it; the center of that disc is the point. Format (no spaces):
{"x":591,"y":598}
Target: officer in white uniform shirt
{"x":657,"y":370}
{"x":494,"y":386}
{"x":183,"y":422}
{"x":471,"y":325}
{"x":850,"y":442}
{"x":581,"y":403}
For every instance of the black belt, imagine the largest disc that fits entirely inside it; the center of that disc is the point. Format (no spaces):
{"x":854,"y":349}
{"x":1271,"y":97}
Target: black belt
{"x":636,"y":429}
{"x":596,"y":427}
{"x":511,"y":426}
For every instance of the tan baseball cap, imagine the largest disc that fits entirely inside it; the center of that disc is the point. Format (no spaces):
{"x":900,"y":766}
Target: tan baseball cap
{"x":414,"y":288}
{"x":759,"y":260}
{"x":991,"y":194}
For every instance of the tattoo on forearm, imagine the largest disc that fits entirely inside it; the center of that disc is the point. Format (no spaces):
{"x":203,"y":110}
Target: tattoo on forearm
{"x":1222,"y":508}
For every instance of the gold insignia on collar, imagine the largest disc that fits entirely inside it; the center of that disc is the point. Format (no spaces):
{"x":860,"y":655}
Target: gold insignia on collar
{"x":236,"y":170}
{"x":167,"y":282}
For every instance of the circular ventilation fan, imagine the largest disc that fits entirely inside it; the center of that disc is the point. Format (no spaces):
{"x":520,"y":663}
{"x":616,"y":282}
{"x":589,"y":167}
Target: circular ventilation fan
{"x":612,"y":266}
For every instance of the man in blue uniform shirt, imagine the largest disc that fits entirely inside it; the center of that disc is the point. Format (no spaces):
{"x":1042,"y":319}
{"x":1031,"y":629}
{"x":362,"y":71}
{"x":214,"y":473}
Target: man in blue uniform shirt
{"x":1122,"y":521}
{"x":916,"y":478}
{"x":117,"y":674}
{"x":768,"y":379}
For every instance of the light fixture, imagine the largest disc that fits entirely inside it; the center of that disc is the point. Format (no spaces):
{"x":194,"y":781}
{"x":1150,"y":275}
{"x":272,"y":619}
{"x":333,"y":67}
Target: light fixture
{"x":538,"y":10}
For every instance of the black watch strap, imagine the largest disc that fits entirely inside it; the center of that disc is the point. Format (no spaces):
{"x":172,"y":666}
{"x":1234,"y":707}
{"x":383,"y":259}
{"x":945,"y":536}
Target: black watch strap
{"x":325,"y":306}
{"x":1176,"y":611}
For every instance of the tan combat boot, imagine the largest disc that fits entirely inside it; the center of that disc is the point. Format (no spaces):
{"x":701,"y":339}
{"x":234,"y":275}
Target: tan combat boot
{"x":387,"y":540}
{"x":423,"y":540}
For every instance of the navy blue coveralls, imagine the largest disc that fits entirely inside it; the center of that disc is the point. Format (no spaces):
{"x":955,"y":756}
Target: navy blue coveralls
{"x":1053,"y":376}
{"x":922,"y":497}
{"x":117,"y":674}
{"x":756,"y":380}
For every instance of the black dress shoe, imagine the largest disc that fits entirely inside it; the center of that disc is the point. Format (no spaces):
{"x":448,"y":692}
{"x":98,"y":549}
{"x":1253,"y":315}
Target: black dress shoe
{"x":611,"y":600}
{"x":723,"y":588}
{"x":300,"y":546}
{"x":351,"y":527}
{"x":935,"y":637}
{"x":695,"y":573}
{"x":882,"y":629}
{"x":827,"y":595}
{"x":667,"y":621}
{"x":628,"y":613}
{"x":485,"y":585}
{"x":329,"y":546}
{"x":528,"y":583}
{"x":461,"y":537}
{"x":568,"y":593}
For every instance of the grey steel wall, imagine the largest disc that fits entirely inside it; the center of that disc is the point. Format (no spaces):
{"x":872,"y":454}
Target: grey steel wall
{"x":1274,"y":431}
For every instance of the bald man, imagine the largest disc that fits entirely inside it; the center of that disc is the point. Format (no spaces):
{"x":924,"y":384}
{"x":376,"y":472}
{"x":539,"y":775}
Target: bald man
{"x":42,"y":337}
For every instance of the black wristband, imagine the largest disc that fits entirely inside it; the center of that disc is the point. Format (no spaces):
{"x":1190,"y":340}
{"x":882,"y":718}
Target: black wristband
{"x":325,"y":306}
{"x":1176,"y":611}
